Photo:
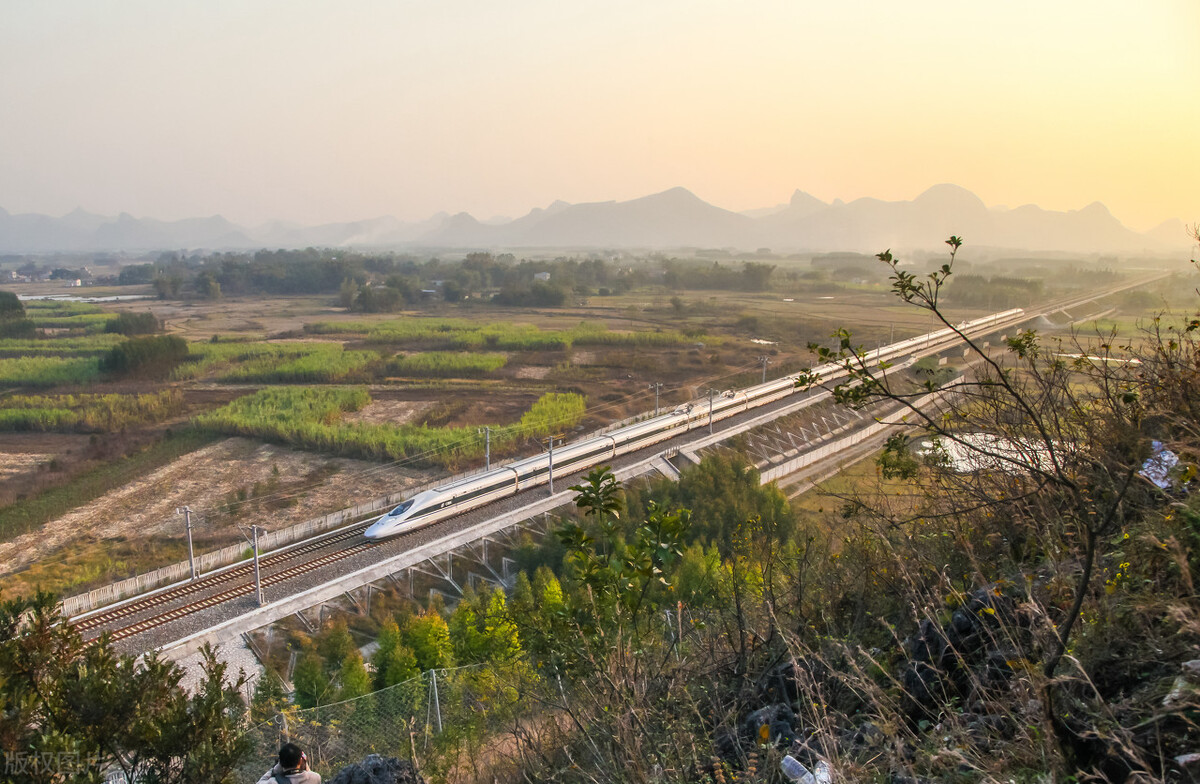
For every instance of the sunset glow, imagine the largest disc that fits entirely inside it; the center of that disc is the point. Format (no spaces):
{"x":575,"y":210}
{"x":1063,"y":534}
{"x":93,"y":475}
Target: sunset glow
{"x":319,"y":111}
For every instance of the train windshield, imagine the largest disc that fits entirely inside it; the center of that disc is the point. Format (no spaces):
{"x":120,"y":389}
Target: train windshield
{"x":401,"y":509}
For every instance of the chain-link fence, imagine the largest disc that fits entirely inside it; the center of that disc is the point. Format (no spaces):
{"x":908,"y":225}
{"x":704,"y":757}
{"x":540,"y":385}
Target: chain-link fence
{"x":420,"y":719}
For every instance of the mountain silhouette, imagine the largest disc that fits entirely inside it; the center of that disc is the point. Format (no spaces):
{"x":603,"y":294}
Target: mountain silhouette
{"x":675,"y":218}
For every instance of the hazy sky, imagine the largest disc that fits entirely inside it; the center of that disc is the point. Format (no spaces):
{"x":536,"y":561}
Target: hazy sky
{"x":321,"y":111}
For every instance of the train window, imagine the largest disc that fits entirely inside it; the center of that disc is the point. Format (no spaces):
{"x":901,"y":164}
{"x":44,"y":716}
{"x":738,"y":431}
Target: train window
{"x":401,"y":509}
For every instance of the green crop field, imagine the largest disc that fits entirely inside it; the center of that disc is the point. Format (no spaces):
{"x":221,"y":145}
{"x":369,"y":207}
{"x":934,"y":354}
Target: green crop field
{"x":54,"y":314}
{"x":313,"y":418}
{"x":59,"y":346}
{"x":447,"y":364}
{"x":461,"y":334}
{"x":48,"y":371}
{"x":87,"y":413}
{"x":324,"y":363}
{"x":255,"y":362}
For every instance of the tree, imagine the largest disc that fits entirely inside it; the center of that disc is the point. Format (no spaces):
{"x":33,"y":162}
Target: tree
{"x":1080,"y":451}
{"x":269,"y":698}
{"x":335,"y":643}
{"x":11,"y":306}
{"x":207,"y":286}
{"x":79,"y":702}
{"x":393,"y":661}
{"x":352,"y":677}
{"x":466,"y":633}
{"x":429,"y":638}
{"x":13,"y":323}
{"x":1024,"y":518}
{"x":502,"y":642}
{"x":167,"y":285}
{"x":347,"y":293}
{"x":313,"y":685}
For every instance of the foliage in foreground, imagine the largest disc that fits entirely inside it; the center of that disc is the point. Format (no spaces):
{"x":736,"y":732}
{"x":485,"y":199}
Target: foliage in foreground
{"x":73,"y":711}
{"x":1034,"y":617}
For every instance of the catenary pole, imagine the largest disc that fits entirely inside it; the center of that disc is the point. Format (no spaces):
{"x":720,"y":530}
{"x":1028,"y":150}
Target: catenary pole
{"x":187,"y":523}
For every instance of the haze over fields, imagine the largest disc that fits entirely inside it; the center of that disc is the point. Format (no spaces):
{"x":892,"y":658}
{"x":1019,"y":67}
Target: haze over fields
{"x":281,"y":116}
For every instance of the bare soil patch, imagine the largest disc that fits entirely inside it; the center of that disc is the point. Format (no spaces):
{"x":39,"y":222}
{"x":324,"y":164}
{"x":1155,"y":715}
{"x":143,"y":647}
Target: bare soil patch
{"x":209,"y":480}
{"x":533,"y":371}
{"x":584,"y":358}
{"x":392,"y":412}
{"x":12,"y":465}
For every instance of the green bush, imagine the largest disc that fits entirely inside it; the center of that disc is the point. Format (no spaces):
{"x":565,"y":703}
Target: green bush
{"x":150,"y":354}
{"x":134,"y":324}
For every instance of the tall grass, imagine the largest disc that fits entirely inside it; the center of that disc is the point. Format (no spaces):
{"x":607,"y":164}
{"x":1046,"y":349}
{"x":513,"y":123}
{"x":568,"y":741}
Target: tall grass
{"x":271,"y":362}
{"x":447,"y":364}
{"x":48,"y":371}
{"x":55,"y":346}
{"x":50,"y":314}
{"x":328,"y":363}
{"x":313,"y":418}
{"x":87,"y":413}
{"x":56,"y":307}
{"x":462,"y":334}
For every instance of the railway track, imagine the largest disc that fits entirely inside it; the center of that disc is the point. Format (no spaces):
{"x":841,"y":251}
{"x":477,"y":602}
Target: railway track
{"x":107,"y":616}
{"x":243,"y":589}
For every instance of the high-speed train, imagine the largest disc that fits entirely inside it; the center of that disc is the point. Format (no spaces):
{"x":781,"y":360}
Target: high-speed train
{"x":477,"y":490}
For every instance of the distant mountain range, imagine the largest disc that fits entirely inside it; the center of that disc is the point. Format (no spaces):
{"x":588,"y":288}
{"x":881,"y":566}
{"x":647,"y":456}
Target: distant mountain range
{"x":676,"y":218}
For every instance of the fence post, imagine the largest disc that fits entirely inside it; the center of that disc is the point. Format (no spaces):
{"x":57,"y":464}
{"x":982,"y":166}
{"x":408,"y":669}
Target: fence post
{"x":437,"y":705}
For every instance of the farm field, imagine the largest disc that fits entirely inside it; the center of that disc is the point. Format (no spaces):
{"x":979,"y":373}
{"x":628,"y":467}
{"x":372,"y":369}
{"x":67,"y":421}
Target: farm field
{"x":275,"y":409}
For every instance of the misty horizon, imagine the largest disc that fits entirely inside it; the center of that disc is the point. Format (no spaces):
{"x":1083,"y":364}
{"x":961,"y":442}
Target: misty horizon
{"x":311,"y":113}
{"x":675,"y":218}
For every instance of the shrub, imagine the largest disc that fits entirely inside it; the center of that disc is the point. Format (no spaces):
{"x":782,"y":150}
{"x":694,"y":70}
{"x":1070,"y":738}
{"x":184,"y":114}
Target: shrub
{"x":13,"y":323}
{"x":148,"y":354}
{"x":134,"y":324}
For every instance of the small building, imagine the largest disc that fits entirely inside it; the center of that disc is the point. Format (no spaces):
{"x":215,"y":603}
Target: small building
{"x":542,"y":277}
